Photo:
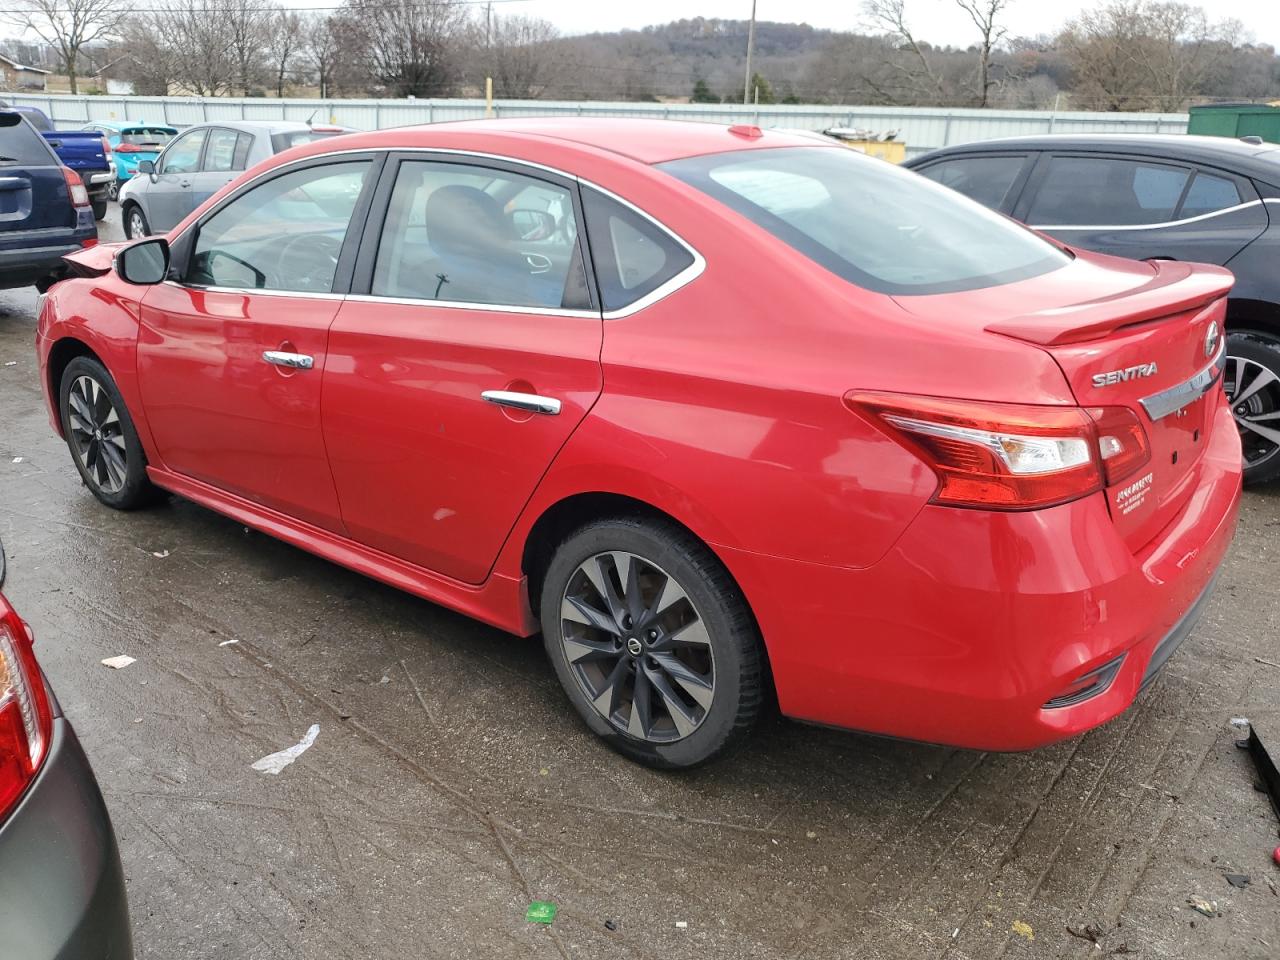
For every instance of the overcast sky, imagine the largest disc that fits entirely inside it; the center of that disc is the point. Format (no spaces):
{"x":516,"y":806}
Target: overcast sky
{"x":938,"y":21}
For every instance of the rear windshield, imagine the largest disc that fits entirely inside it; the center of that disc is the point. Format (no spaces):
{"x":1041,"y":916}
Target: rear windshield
{"x":38,"y":120}
{"x":296,"y":138}
{"x":19,"y":143}
{"x":147,"y":136}
{"x":874,"y":224}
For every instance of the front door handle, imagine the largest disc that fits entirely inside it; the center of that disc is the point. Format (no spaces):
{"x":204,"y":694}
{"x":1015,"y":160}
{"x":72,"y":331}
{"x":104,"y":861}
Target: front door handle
{"x":297,"y":361}
{"x":523,"y":401}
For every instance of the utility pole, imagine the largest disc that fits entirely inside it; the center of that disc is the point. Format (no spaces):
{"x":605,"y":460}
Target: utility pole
{"x":488,"y":23}
{"x":751,"y":43}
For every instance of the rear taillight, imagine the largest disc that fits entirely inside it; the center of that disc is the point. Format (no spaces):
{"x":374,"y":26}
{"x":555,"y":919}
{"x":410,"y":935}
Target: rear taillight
{"x":26,"y":721}
{"x":128,"y":148}
{"x":75,"y":187}
{"x":1122,"y":442}
{"x":1007,"y":456}
{"x":106,"y":147}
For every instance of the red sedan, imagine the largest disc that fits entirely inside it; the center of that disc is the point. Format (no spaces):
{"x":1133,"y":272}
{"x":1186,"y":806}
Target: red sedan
{"x":715,"y":410}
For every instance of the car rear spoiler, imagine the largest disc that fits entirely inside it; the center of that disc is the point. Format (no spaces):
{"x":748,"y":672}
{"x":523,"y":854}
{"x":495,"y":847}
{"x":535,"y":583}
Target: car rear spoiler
{"x":1174,"y":288}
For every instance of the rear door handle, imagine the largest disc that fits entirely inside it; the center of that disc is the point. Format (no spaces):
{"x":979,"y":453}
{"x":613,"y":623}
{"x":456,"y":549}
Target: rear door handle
{"x":298,"y":361}
{"x":523,"y":401}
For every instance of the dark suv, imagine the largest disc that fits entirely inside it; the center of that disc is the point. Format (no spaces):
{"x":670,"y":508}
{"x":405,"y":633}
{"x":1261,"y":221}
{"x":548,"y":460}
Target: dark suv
{"x":1208,"y":199}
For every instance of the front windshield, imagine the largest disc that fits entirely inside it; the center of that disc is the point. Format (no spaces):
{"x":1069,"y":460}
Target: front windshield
{"x":870,"y":222}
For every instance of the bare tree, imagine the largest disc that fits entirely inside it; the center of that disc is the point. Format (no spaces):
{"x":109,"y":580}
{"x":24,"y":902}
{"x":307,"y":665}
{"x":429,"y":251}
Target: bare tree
{"x":68,"y":26}
{"x":984,"y":13}
{"x":285,"y":40}
{"x":320,"y":50}
{"x":890,"y":18}
{"x":197,"y":45}
{"x":151,"y":64}
{"x":520,"y":56}
{"x":1143,"y":55}
{"x":248,"y":26}
{"x":408,"y":47}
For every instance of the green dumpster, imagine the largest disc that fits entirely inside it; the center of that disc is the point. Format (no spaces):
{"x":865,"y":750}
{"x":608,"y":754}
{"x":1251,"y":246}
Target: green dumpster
{"x":1236,"y":120}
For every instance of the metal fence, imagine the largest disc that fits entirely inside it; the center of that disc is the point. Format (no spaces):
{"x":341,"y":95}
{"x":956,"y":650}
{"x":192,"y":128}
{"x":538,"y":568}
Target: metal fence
{"x":922,"y":128}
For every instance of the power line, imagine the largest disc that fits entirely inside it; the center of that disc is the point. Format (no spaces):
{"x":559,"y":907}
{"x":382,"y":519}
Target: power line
{"x":179,"y":7}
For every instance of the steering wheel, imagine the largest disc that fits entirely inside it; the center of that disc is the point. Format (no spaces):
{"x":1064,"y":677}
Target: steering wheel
{"x":309,"y":261}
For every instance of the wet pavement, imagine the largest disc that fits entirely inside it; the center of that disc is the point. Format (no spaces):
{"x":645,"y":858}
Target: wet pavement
{"x":451,"y":783}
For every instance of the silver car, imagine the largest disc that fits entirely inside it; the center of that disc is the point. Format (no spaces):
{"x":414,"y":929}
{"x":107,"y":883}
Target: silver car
{"x":199,"y":162}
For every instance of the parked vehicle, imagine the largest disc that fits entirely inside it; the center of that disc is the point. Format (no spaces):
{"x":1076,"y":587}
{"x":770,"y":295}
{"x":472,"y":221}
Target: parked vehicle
{"x":199,"y":163}
{"x":44,"y":209}
{"x":716,"y":409}
{"x":131,"y":143}
{"x":62,"y":889}
{"x":1204,"y":199}
{"x":87,"y":153}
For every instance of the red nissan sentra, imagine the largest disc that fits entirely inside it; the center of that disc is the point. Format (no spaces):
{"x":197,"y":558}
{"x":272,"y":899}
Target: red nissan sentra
{"x":713,"y":409}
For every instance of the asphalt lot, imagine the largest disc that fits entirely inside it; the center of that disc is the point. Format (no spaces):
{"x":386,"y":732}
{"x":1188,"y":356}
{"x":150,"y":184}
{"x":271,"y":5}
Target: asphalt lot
{"x":451,"y":784}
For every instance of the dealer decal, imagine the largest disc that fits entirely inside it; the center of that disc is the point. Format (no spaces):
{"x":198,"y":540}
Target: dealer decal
{"x":1131,"y":497}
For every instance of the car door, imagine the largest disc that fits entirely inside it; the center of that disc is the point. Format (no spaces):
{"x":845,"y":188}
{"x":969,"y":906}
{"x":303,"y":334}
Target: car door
{"x":231,"y":353}
{"x":993,"y":179}
{"x":218,"y":168}
{"x":168,"y":196}
{"x":458,"y":367}
{"x":1142,"y":207}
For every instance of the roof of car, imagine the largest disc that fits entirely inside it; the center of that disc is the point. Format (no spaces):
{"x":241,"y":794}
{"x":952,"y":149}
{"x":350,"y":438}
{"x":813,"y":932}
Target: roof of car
{"x":647,"y":141}
{"x":266,"y":126}
{"x":129,"y":124}
{"x":1259,"y":160}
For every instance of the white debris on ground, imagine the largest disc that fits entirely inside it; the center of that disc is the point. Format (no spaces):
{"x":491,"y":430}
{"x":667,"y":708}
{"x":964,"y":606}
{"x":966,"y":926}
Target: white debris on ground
{"x":118,"y":663}
{"x":275,"y":762}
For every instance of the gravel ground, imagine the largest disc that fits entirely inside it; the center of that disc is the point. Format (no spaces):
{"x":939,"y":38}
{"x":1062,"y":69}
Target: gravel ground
{"x":451,"y":784}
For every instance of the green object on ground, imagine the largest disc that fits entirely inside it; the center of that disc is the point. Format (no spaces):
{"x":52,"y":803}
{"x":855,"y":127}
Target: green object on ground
{"x":541,"y":911}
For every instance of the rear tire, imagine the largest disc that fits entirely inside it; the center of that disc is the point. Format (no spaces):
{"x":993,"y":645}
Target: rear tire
{"x":102,"y":439}
{"x":135,"y":222}
{"x":113,"y":191}
{"x":653,"y":618}
{"x":1253,"y":374}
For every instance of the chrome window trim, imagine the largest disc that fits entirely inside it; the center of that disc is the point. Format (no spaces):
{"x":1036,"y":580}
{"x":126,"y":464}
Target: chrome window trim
{"x":254,"y":291}
{"x":1170,"y":401}
{"x":1158,"y":226}
{"x":685,"y":276}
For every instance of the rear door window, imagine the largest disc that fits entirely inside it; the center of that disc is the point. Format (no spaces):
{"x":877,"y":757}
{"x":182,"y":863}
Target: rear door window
{"x":219,"y":156}
{"x":1106,"y":191}
{"x":985,"y":179}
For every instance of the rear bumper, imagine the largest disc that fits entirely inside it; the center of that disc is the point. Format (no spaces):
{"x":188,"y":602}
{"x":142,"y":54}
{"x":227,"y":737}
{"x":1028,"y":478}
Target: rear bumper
{"x":29,"y":259}
{"x":62,"y":891}
{"x":975,"y":620}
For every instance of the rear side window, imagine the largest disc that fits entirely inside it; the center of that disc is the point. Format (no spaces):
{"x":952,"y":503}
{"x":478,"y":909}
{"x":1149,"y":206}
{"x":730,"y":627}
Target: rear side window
{"x":244,"y":143}
{"x":985,"y":179}
{"x":633,"y":255}
{"x":38,"y":120}
{"x":19,"y":143}
{"x":281,"y":142}
{"x":1087,"y":191}
{"x":869,"y":222}
{"x":1208,"y":194}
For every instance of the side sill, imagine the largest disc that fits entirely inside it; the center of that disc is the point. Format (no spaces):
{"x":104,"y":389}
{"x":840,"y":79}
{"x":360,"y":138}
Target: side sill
{"x":499,"y":601}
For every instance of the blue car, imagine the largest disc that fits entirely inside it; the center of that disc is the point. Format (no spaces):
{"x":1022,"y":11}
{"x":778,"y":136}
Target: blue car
{"x":131,"y":142}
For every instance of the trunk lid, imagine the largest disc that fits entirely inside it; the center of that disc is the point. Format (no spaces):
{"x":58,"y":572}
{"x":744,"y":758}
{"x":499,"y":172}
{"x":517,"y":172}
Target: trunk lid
{"x":1149,"y":338}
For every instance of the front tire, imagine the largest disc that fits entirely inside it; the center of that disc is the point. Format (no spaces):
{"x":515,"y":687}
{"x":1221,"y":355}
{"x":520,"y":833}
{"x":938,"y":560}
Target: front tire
{"x":135,"y":222}
{"x":652,"y":641}
{"x":101,"y":437}
{"x":99,"y":209}
{"x":1252,"y":383}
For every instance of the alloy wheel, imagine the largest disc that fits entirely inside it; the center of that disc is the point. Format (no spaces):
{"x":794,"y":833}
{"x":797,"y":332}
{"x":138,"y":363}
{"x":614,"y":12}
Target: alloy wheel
{"x":98,"y":434}
{"x":113,"y":190}
{"x":638,"y":647}
{"x":1253,"y":391}
{"x":137,"y":226}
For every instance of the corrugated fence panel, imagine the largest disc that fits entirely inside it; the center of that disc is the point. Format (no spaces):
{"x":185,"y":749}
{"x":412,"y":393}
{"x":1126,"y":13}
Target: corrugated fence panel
{"x":922,"y":128}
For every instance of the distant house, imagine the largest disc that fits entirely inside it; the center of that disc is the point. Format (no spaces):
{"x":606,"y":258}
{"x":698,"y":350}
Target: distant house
{"x":18,"y":76}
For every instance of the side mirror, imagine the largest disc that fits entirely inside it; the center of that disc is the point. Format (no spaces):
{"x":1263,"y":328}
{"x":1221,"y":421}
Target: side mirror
{"x":533,"y":224}
{"x":144,"y":263}
{"x":146,"y":166}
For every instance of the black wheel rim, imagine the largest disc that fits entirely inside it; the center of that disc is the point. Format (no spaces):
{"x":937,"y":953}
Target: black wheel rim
{"x":1253,"y":391}
{"x":98,"y":435}
{"x":637,"y":647}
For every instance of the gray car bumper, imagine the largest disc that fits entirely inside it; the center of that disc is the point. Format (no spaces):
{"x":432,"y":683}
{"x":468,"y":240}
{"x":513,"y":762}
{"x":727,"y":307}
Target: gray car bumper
{"x":62,"y":893}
